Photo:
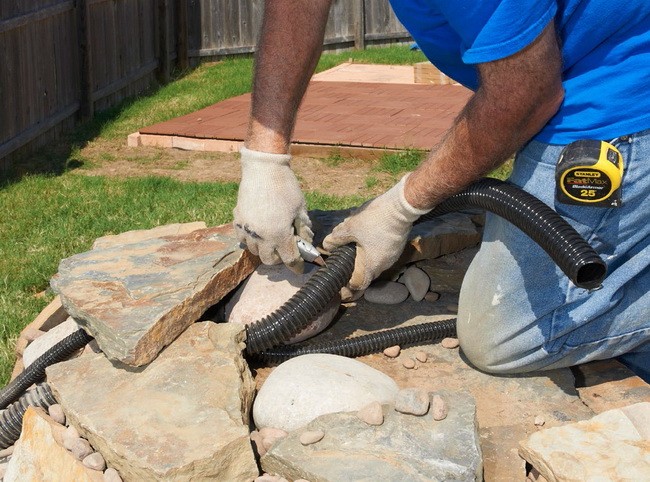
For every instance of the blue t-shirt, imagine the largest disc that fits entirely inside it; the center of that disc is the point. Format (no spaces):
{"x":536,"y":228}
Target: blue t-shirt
{"x":605,"y":49}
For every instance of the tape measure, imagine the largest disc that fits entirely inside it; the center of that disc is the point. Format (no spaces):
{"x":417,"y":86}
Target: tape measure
{"x":589,"y":173}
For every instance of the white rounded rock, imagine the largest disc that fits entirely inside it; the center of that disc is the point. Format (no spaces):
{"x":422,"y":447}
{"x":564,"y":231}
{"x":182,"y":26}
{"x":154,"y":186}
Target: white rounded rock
{"x":386,"y":293}
{"x":268,"y":288}
{"x":417,"y":282}
{"x":43,"y":343}
{"x":308,"y":386}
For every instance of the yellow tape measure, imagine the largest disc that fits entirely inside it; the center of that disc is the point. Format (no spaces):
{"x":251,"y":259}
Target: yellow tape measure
{"x":589,"y":173}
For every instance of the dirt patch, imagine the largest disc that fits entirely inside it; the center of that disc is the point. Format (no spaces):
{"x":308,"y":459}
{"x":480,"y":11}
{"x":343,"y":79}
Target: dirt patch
{"x":338,"y":177}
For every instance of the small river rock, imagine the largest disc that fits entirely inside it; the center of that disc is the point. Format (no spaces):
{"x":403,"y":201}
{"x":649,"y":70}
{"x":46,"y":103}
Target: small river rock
{"x":413,"y":401}
{"x":392,"y":351}
{"x":439,"y":408}
{"x":307,"y":386}
{"x":386,"y":293}
{"x":417,"y":282}
{"x":70,"y":434}
{"x":56,"y":412}
{"x":94,"y":461}
{"x":408,"y":363}
{"x":432,"y":296}
{"x":450,"y":343}
{"x":372,"y":414}
{"x":112,"y":475}
{"x":270,"y":435}
{"x":80,"y":448}
{"x":311,"y":437}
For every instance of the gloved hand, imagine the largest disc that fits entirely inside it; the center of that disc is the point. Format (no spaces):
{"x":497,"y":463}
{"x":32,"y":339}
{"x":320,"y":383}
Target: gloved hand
{"x":380,"y":229}
{"x":271,"y":209}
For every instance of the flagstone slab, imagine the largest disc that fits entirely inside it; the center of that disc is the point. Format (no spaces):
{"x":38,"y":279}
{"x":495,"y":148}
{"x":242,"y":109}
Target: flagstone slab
{"x":185,"y":416}
{"x":136,"y":298}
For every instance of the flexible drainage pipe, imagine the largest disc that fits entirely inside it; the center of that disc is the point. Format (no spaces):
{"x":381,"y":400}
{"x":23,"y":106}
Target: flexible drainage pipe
{"x":559,"y":239}
{"x":11,"y":420}
{"x":565,"y":246}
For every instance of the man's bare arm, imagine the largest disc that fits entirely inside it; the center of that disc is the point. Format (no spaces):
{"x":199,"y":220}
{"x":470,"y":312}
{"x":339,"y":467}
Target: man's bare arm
{"x":516,"y":98}
{"x":290,"y":45}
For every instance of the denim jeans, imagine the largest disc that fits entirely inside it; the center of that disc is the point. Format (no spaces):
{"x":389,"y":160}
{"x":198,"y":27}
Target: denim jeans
{"x":518,"y":312}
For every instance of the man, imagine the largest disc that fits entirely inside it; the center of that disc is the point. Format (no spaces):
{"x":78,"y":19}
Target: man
{"x":544,"y":73}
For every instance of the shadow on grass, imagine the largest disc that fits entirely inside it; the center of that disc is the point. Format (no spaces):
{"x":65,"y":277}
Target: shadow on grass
{"x":63,"y":154}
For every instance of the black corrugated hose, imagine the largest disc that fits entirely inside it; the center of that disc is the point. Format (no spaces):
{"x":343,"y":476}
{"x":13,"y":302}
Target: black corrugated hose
{"x":565,"y":246}
{"x":573,"y":255}
{"x":429,"y":332}
{"x":11,"y":420}
{"x":559,"y":239}
{"x":35,"y":372}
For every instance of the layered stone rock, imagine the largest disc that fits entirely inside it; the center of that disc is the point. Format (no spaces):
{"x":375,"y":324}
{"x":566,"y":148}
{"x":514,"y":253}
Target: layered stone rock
{"x":185,"y":416}
{"x":39,"y":453}
{"x":614,"y":445}
{"x":404,"y":447}
{"x":136,"y":298}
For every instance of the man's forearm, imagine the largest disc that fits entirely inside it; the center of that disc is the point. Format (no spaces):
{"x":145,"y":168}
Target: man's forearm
{"x":516,"y":98}
{"x":290,"y":44}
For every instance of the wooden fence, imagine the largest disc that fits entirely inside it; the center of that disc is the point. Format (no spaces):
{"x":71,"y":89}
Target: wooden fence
{"x":63,"y":60}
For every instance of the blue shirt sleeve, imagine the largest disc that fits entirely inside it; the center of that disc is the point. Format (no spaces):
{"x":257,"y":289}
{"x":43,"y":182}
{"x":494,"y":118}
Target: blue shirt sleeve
{"x":495,"y":29}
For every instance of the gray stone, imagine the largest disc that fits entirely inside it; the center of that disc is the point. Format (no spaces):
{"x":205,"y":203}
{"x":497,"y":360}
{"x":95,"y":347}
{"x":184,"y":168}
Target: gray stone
{"x":152,"y":423}
{"x":447,"y":273}
{"x":432,"y":296}
{"x":301,"y":389}
{"x":403,"y":448}
{"x":412,"y":401}
{"x":386,"y":293}
{"x":48,"y":340}
{"x":137,"y":298}
{"x":417,"y":282}
{"x":614,"y":445}
{"x":39,"y":454}
{"x":268,"y":288}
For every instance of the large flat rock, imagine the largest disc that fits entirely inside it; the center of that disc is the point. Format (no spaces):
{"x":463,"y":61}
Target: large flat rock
{"x":39,"y":453}
{"x":404,"y":448}
{"x":137,"y":292}
{"x":185,"y":416}
{"x":614,"y":445}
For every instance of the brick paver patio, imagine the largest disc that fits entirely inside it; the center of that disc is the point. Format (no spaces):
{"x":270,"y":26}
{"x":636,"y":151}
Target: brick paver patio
{"x":342,"y":115}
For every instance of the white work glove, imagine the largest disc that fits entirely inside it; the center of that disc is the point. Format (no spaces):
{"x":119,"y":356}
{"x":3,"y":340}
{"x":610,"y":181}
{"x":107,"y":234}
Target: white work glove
{"x":380,"y":229}
{"x":271,"y":209}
